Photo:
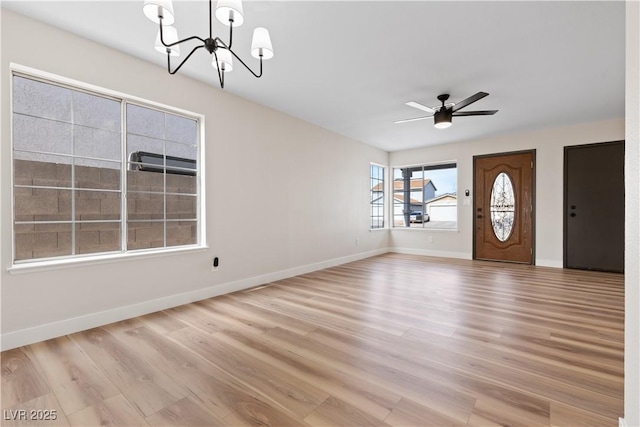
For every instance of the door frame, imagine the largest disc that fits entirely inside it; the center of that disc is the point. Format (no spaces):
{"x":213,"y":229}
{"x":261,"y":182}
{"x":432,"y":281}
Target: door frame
{"x":565,"y":191}
{"x":533,"y":200}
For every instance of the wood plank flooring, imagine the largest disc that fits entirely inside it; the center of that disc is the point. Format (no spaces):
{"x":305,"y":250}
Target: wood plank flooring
{"x":394,"y":340}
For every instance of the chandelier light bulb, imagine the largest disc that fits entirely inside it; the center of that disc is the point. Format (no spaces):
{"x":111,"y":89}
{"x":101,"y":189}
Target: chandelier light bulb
{"x":169,"y":35}
{"x":153,"y":9}
{"x":225,"y":60}
{"x":228,"y":10}
{"x":261,"y":44}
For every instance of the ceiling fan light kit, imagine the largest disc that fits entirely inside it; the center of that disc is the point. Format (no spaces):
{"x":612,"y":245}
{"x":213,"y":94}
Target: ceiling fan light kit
{"x":230,"y":14}
{"x":443,"y":114}
{"x":442,"y":118}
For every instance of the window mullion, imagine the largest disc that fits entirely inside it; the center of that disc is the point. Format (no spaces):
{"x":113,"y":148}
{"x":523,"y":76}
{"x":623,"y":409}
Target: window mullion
{"x":73,"y":178}
{"x":164,"y":179}
{"x":124,"y":220}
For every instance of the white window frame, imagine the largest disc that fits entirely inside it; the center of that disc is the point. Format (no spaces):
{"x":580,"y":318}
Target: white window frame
{"x":384,"y":197}
{"x":83,"y":259}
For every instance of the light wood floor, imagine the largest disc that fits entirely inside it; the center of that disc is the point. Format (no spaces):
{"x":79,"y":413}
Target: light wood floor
{"x":391,"y":340}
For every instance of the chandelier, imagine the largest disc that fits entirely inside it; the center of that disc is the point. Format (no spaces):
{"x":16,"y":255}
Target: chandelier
{"x":229,"y":13}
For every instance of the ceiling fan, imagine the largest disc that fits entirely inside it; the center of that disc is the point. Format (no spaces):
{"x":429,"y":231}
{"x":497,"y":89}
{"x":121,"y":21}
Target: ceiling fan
{"x":442,"y":114}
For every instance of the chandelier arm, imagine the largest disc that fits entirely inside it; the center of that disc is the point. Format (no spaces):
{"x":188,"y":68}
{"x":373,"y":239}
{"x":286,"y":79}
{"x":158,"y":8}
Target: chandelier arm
{"x":183,"y":61}
{"x":221,"y":43}
{"x":179,"y":41}
{"x":220,"y":73}
{"x":246,"y":66}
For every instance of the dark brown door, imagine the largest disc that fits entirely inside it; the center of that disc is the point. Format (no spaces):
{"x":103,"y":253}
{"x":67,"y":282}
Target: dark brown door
{"x":594,"y":207}
{"x":503,"y":212}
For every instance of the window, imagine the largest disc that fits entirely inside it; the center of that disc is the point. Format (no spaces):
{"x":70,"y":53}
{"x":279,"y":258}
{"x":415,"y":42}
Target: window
{"x":377,"y":196}
{"x":425,"y":196}
{"x":99,"y":174}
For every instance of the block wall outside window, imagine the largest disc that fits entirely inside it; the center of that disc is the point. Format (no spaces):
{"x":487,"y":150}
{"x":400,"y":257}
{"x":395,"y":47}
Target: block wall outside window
{"x":76,"y":193}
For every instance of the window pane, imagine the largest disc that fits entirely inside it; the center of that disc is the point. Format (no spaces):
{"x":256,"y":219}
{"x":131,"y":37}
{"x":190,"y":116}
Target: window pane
{"x":181,"y":207}
{"x":162,"y":156}
{"x":181,"y":129}
{"x":42,"y":204}
{"x":145,"y":181}
{"x":377,"y":196}
{"x":96,"y":112}
{"x":145,"y":206}
{"x":97,"y":237}
{"x":144,"y":235}
{"x":425,"y":197}
{"x":181,"y":151}
{"x":143,"y":144}
{"x":182,"y":233}
{"x":34,"y":98}
{"x":181,"y":184}
{"x":43,"y":135}
{"x":97,"y":205}
{"x":51,"y":171}
{"x":502,"y":207}
{"x":97,"y":143}
{"x":145,"y":121}
{"x":42,"y":241}
{"x":96,"y":175}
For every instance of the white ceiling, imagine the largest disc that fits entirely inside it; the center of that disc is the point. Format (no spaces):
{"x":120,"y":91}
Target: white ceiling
{"x":350,"y":66}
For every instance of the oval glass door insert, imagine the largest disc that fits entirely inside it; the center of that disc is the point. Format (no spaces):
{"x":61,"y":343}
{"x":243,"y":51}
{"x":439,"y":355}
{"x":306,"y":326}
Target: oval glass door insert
{"x":503,"y":207}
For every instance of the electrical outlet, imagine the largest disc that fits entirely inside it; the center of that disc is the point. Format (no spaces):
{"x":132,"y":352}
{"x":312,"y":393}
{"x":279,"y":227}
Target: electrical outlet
{"x":357,"y":241}
{"x":430,"y":239}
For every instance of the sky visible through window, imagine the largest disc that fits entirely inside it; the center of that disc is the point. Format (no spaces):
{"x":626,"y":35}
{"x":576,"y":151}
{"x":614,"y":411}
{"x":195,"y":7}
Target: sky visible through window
{"x":445,"y":180}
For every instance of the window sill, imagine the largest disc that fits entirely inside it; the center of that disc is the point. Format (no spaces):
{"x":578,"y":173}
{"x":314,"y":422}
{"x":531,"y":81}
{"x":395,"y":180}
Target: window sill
{"x":437,"y":230}
{"x":56,"y":264}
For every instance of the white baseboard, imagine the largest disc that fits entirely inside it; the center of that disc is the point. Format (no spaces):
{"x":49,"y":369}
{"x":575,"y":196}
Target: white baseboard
{"x":68,"y":326}
{"x":426,"y":252}
{"x":622,"y":422}
{"x":549,"y":263}
{"x":464,"y":255}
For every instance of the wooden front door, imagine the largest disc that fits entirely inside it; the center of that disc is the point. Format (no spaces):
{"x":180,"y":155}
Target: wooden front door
{"x":503,"y":207}
{"x":594,"y":207}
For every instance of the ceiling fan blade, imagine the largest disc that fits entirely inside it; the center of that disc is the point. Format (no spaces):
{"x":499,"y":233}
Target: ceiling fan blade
{"x":412,"y":120}
{"x":421,"y":107}
{"x":476,"y":113}
{"x":470,"y":100}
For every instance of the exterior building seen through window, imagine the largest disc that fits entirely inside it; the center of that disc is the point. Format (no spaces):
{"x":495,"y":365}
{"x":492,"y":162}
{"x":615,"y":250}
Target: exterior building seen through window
{"x":425,"y":196}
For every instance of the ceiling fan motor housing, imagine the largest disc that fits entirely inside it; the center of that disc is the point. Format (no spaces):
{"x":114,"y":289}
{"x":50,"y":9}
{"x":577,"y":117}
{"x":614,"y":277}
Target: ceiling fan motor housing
{"x":442,"y":118}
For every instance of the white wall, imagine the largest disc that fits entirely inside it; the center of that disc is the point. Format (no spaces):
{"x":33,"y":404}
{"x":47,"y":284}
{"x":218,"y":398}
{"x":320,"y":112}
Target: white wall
{"x":632,"y":231}
{"x":311,"y":185}
{"x":549,"y":145}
